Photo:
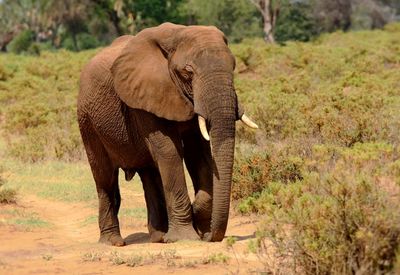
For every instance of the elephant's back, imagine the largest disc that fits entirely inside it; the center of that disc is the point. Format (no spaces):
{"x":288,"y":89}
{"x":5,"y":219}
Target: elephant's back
{"x":106,"y":57}
{"x":96,"y":79}
{"x":97,"y":70}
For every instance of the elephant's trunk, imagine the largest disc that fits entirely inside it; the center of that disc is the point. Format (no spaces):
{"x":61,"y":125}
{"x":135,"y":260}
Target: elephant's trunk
{"x":221,"y":108}
{"x":223,"y":143}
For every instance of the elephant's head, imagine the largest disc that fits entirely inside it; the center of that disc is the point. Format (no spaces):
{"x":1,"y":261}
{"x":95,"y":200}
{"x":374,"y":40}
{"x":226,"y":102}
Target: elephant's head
{"x":178,"y":72}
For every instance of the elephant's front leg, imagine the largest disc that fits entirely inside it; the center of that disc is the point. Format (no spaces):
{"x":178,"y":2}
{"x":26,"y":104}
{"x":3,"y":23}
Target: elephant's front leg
{"x":198,"y":161}
{"x":157,"y":219}
{"x":168,"y":155}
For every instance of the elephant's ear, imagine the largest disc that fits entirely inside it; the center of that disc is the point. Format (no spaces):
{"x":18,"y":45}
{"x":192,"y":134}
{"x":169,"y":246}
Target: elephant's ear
{"x":141,"y":75}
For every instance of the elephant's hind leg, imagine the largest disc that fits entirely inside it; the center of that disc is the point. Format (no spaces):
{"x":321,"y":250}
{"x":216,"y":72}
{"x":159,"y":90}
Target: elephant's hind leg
{"x":109,"y":203}
{"x":157,"y":218}
{"x":106,"y":178}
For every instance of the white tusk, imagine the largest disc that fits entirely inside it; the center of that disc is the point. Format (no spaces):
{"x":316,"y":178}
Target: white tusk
{"x":247,"y":121}
{"x":203,"y":128}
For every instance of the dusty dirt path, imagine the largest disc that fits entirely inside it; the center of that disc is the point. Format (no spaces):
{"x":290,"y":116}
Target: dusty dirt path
{"x":69,"y":245}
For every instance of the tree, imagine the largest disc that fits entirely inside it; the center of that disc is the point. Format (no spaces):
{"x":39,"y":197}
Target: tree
{"x":236,"y":18}
{"x":19,"y":15}
{"x":371,"y":14}
{"x":295,"y":22}
{"x":332,"y":14}
{"x":269,"y":10}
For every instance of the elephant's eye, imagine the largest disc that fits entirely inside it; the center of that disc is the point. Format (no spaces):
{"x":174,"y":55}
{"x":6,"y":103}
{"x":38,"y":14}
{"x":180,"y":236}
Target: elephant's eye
{"x":188,"y":68}
{"x":186,"y":75}
{"x":187,"y":72}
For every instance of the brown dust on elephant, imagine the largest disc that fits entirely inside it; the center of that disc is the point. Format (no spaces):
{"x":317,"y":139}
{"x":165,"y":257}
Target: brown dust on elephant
{"x":146,"y":104}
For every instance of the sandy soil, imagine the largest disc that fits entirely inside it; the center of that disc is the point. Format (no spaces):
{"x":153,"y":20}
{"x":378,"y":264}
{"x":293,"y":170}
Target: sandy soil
{"x":69,"y":245}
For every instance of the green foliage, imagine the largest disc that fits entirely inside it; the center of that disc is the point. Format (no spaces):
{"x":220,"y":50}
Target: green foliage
{"x":236,"y":18}
{"x":154,"y":12}
{"x":84,"y":41}
{"x":340,"y":89}
{"x":38,"y":104}
{"x":22,"y":218}
{"x":53,"y":180}
{"x":230,"y":241}
{"x":216,"y":258}
{"x":47,"y":257}
{"x":87,"y":41}
{"x":251,"y":173}
{"x":7,"y":195}
{"x":22,"y":42}
{"x":92,"y":256}
{"x":61,"y":22}
{"x":337,"y":220}
{"x":323,"y":170}
{"x":295,"y":22}
{"x":136,"y":213}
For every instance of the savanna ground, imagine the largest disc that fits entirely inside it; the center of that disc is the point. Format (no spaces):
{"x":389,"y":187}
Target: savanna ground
{"x":52,"y":229}
{"x":315,"y":189}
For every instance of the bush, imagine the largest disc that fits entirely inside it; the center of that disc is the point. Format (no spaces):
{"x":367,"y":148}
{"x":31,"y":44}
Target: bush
{"x":7,"y":195}
{"x":341,"y":217}
{"x":340,"y":89}
{"x":39,"y":121}
{"x":68,"y":43}
{"x":84,"y":41}
{"x":87,"y":41}
{"x":21,"y":42}
{"x":252,"y":173}
{"x":337,"y":220}
{"x":295,"y":22}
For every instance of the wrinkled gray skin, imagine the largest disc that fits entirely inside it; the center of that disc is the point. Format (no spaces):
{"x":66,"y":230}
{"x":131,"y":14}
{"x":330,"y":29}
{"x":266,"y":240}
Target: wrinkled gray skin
{"x":137,"y":110}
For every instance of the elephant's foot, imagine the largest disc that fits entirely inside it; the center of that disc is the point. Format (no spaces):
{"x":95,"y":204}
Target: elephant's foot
{"x":157,"y":236}
{"x":207,"y":237}
{"x":201,"y":224}
{"x":181,"y":233}
{"x":113,"y":239}
{"x":202,"y":206}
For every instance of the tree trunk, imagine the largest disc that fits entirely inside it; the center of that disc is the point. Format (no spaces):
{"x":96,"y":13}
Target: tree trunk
{"x":269,"y":16}
{"x":267,"y":21}
{"x":74,"y":40}
{"x":112,"y":14}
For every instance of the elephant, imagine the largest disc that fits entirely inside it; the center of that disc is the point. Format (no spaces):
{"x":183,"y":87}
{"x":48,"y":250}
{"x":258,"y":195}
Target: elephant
{"x":146,"y":104}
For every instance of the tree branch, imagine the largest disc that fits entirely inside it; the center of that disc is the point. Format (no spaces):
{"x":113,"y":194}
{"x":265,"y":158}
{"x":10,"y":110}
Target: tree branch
{"x":258,"y":5}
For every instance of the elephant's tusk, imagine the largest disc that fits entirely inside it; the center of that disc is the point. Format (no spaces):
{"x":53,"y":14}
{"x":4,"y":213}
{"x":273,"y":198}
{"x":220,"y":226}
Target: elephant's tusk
{"x":203,"y":128}
{"x":248,"y":122}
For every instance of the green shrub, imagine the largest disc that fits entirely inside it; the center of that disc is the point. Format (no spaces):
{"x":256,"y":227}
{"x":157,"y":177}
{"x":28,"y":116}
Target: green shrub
{"x":84,"y":41}
{"x":87,"y":41}
{"x":68,"y":43}
{"x":334,"y":223}
{"x":38,"y":105}
{"x":340,"y":89}
{"x":251,"y":174}
{"x":341,"y":217}
{"x":323,"y":169}
{"x":295,"y":22}
{"x":21,"y":42}
{"x":7,"y":195}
